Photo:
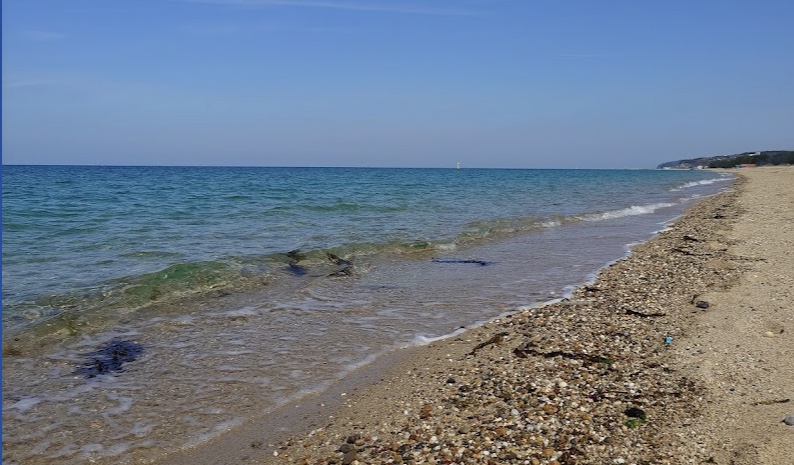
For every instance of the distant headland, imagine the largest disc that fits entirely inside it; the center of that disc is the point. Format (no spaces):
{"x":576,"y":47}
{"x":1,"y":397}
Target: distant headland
{"x":771,"y":157}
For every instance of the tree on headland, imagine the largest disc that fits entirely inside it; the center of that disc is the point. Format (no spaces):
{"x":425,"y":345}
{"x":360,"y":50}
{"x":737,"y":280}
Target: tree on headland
{"x":778,"y":157}
{"x":770,"y":157}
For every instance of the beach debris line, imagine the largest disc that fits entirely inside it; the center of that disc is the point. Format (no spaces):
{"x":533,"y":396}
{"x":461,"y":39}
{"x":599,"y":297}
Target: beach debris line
{"x":110,"y":358}
{"x":644,"y":315}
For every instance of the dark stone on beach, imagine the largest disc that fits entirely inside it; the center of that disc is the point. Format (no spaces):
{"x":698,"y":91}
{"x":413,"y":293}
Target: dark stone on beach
{"x":350,"y":457}
{"x":345,"y":448}
{"x":451,"y":381}
{"x":110,"y":358}
{"x":702,"y":304}
{"x":789,"y":420}
{"x":473,"y":262}
{"x":634,"y":412}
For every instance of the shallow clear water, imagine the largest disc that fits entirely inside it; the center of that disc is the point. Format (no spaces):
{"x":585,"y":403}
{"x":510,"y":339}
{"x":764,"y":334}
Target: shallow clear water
{"x":192,"y":264}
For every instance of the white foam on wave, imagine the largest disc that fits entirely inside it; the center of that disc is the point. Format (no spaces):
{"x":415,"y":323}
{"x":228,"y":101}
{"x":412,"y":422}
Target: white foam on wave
{"x":142,"y":428}
{"x":215,"y":431}
{"x":240,"y":312}
{"x":124,"y":404}
{"x":633,"y":210}
{"x":26,"y":404}
{"x":117,"y":449}
{"x":423,"y":340}
{"x":447,"y":247}
{"x":702,"y":182}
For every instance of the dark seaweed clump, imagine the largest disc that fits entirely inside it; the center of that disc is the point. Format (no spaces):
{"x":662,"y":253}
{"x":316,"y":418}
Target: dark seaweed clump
{"x":474,"y":262}
{"x":110,"y":358}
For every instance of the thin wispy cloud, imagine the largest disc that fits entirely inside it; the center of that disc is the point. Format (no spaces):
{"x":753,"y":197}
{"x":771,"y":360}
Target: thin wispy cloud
{"x":42,"y":36}
{"x":340,"y":5}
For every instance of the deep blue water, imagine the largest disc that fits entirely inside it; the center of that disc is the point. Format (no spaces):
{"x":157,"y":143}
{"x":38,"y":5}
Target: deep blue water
{"x":250,"y":286}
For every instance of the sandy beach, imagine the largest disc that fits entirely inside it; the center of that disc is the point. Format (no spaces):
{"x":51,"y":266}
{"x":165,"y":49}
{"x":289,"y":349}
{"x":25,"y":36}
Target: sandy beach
{"x":679,"y":353}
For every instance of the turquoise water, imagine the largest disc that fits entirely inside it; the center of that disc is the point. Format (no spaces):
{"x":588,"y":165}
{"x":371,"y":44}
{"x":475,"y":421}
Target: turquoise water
{"x":123,"y":235}
{"x":194,"y":266}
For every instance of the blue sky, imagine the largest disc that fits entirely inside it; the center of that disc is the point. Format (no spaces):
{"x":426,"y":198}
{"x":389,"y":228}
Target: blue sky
{"x":421,"y":83}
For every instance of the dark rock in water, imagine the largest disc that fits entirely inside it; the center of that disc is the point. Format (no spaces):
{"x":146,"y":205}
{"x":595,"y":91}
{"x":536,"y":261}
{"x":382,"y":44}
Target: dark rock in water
{"x":296,"y":269}
{"x":702,"y":304}
{"x":346,"y":266}
{"x":346,"y":271}
{"x":110,"y":358}
{"x":295,"y":255}
{"x":338,"y":260}
{"x":474,"y":262}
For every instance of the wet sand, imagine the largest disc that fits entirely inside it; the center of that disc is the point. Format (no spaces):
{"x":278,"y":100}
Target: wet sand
{"x":680,"y":353}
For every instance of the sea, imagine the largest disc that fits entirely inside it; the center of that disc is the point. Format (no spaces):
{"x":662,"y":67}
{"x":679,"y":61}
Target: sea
{"x":148,"y":310}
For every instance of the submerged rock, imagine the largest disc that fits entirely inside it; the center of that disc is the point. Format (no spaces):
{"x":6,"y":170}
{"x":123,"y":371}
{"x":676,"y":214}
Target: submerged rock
{"x":296,"y":269}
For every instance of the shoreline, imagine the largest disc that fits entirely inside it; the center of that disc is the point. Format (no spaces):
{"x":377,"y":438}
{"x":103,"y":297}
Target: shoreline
{"x":598,"y":377}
